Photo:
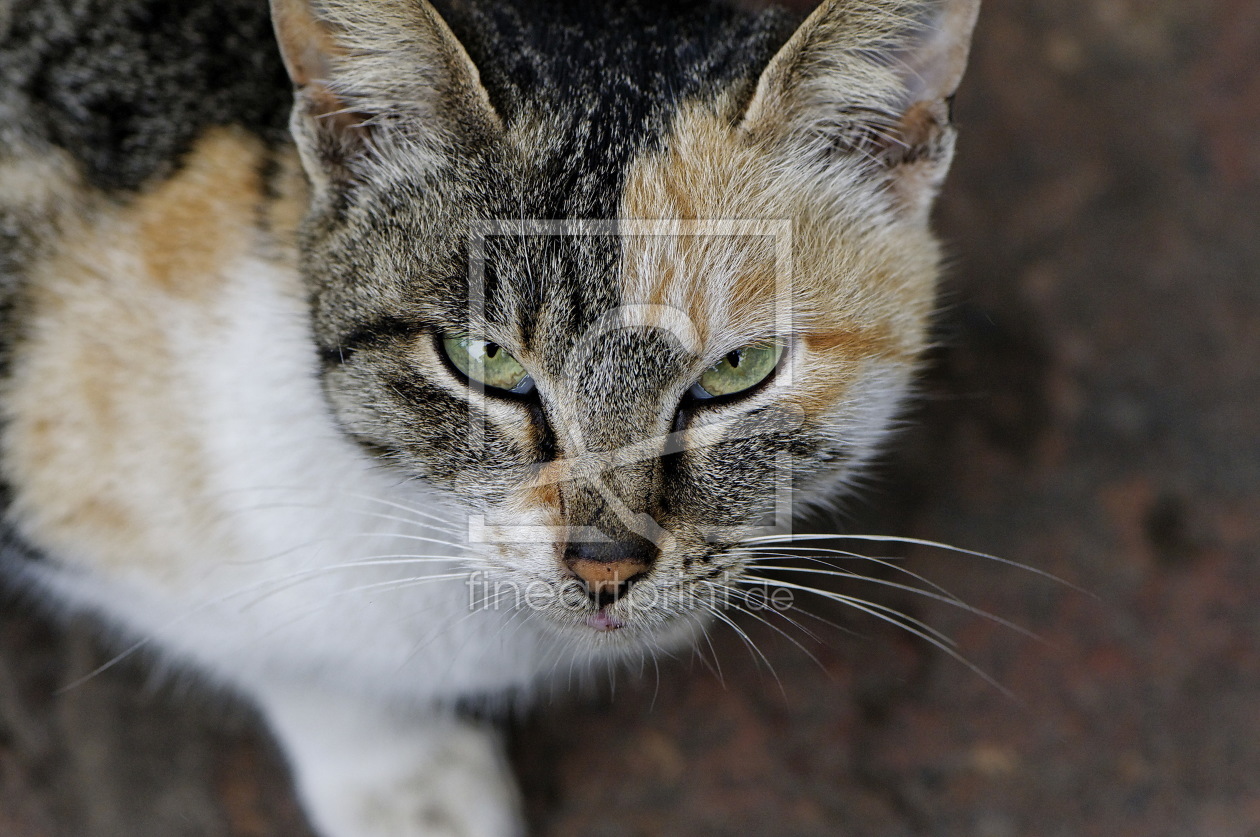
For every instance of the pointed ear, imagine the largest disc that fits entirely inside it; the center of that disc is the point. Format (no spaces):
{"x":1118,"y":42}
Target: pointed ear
{"x":871,"y":82}
{"x":380,"y":76}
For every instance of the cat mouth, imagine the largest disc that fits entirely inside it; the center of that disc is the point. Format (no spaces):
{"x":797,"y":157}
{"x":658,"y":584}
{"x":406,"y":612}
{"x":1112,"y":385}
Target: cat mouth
{"x":604,"y":621}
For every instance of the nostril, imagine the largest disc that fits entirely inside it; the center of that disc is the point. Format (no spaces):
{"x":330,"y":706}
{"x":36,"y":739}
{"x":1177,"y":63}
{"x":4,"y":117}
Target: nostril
{"x":608,"y":592}
{"x":606,"y":582}
{"x":608,"y":570}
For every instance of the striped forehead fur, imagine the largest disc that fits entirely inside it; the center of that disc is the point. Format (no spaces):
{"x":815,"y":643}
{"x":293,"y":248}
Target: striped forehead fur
{"x":604,"y":75}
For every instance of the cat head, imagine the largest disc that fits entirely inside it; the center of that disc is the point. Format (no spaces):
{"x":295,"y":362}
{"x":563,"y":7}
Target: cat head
{"x":626,"y":286}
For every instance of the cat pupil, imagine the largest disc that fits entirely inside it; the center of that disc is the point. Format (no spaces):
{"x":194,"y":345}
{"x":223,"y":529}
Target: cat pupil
{"x":734,"y":358}
{"x":492,"y":349}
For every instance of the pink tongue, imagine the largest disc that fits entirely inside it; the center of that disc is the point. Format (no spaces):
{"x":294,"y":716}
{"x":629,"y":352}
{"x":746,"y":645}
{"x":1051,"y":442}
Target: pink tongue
{"x":603,"y":622}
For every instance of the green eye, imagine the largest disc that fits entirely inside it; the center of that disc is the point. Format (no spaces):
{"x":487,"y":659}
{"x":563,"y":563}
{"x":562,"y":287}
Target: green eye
{"x":487,"y":363}
{"x":740,"y":370}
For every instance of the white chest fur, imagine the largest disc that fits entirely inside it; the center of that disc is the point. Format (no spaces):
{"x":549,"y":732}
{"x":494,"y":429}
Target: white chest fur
{"x":202,"y":497}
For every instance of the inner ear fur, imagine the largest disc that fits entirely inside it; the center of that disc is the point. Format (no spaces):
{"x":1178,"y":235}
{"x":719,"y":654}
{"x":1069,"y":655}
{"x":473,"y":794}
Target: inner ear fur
{"x":379,"y":72}
{"x":872,"y":80}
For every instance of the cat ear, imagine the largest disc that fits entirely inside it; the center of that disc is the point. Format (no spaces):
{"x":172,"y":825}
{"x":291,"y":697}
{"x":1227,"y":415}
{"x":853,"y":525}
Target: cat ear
{"x":380,"y":76}
{"x":871,"y":81}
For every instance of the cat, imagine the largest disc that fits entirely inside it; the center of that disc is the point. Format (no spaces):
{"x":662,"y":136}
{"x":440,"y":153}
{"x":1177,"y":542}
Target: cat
{"x":450,"y":347}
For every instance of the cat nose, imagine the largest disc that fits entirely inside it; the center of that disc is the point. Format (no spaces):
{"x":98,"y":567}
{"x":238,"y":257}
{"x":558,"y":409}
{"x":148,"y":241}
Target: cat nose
{"x":607,"y":570}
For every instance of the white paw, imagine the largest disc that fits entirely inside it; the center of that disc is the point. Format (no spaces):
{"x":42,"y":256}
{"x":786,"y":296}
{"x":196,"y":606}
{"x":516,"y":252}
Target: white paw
{"x":462,"y":789}
{"x":364,"y":771}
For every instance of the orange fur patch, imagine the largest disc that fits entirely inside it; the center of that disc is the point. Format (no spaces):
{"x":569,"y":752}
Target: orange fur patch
{"x":102,"y":442}
{"x":544,"y":493}
{"x":859,"y":286}
{"x":872,"y":342}
{"x":190,"y":224}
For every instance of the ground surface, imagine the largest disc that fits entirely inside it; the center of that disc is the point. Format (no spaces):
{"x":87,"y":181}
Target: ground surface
{"x":1094,"y":412}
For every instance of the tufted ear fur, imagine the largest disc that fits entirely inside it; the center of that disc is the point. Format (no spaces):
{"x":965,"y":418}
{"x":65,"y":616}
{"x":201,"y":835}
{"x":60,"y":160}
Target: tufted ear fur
{"x":376,"y":80}
{"x":871,"y":78}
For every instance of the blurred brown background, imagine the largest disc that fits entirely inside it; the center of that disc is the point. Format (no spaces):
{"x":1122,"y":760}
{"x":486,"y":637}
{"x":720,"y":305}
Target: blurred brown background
{"x":1094,"y":411}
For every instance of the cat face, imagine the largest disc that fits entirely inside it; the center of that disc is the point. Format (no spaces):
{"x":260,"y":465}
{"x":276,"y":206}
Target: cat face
{"x":625,"y":311}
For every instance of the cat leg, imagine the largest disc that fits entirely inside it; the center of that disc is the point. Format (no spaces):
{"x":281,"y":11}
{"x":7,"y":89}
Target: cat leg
{"x":366,"y":771}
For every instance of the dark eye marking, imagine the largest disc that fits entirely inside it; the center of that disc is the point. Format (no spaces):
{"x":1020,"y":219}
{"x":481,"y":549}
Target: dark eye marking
{"x":369,"y":335}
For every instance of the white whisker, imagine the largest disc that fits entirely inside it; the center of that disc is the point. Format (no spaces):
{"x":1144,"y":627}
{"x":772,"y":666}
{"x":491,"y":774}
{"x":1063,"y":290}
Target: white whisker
{"x":787,"y":539}
{"x":419,"y":514}
{"x":408,"y":537}
{"x":900,"y":620}
{"x":875,"y":609}
{"x":743,"y":635}
{"x":291,"y":580}
{"x":881,"y":561}
{"x":391,"y":584}
{"x":779,"y":630}
{"x":716,"y":666}
{"x":949,"y":599}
